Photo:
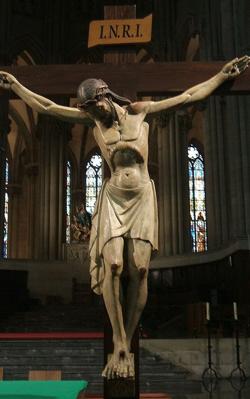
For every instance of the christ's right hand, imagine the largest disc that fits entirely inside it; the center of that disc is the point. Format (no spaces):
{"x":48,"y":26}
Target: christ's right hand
{"x":6,"y":80}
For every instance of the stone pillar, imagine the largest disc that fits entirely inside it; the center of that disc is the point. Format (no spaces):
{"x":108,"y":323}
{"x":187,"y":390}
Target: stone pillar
{"x":14,"y":192}
{"x":4,"y":130}
{"x":237,"y":161}
{"x":227,"y":124}
{"x":235,"y":35}
{"x":216,"y":174}
{"x":50,"y":228}
{"x":31,"y":170}
{"x":174,"y":223}
{"x":78,"y":197}
{"x":22,"y":212}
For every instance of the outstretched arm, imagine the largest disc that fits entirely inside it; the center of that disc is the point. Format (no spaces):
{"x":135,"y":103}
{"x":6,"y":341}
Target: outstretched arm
{"x":196,"y":93}
{"x":39,"y":103}
{"x":230,"y":71}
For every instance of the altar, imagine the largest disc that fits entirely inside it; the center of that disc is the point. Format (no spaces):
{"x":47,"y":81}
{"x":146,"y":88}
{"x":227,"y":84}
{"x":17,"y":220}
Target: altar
{"x":41,"y":389}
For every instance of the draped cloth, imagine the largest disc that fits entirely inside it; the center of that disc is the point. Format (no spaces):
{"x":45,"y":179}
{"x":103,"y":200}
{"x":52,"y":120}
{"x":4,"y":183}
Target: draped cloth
{"x":120,"y":212}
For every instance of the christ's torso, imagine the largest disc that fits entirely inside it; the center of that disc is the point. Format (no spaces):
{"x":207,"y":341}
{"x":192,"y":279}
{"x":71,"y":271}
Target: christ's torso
{"x":125,"y":148}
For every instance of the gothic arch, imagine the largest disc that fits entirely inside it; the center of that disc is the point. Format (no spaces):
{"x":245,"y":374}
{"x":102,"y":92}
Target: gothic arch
{"x":91,"y":196}
{"x":198,"y":144}
{"x":197,"y":196}
{"x":145,"y":54}
{"x":94,"y":150}
{"x":26,"y":58}
{"x":31,"y":45}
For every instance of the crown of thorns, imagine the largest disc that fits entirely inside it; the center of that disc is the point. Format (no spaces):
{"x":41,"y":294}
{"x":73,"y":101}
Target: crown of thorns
{"x":90,"y":91}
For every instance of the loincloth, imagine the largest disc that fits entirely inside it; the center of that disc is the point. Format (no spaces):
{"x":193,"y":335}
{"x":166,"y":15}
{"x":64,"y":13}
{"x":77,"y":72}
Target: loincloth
{"x":130,"y":213}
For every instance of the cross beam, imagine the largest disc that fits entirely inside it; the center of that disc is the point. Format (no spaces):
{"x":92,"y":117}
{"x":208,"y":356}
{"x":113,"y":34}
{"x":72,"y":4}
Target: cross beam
{"x":144,"y":79}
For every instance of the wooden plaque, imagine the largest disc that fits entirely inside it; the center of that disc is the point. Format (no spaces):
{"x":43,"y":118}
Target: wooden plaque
{"x":120,"y":31}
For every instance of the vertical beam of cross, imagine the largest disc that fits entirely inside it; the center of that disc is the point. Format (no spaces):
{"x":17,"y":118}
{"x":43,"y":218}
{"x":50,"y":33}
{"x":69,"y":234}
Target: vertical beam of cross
{"x":122,"y":55}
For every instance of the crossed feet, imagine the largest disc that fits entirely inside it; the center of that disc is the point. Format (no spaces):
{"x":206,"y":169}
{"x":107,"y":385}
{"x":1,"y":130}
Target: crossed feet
{"x":120,"y":364}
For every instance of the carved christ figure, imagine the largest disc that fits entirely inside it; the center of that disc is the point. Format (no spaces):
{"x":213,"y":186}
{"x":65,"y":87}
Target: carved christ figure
{"x":125,"y":221}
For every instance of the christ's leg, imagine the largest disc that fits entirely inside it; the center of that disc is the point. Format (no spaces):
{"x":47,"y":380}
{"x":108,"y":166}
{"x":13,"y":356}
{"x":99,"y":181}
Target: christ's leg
{"x":120,"y":364}
{"x":139,"y":253}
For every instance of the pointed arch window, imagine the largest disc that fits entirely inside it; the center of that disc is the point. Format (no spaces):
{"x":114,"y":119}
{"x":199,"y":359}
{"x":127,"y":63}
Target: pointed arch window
{"x":198,"y":219}
{"x":6,"y":211}
{"x":93,"y":181}
{"x":68,"y":200}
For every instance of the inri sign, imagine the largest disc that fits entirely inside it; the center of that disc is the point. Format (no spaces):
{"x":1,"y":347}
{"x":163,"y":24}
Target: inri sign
{"x":120,"y":31}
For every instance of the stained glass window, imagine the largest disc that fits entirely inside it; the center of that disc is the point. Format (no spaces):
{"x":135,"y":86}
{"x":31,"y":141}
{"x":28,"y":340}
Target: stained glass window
{"x":6,"y":212}
{"x":198,"y":222}
{"x":93,"y":181}
{"x":68,"y":200}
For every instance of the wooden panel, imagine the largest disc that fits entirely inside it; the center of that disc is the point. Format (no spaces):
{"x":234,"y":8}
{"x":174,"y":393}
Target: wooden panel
{"x":147,"y":79}
{"x":45,"y":375}
{"x":1,"y":373}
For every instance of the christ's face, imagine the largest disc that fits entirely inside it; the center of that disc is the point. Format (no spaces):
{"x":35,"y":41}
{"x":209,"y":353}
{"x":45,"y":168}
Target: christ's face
{"x":102,"y":106}
{"x":100,"y":109}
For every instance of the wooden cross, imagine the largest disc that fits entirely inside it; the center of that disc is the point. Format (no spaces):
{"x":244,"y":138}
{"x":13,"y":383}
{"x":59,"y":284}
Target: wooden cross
{"x":166,"y":78}
{"x":127,"y":79}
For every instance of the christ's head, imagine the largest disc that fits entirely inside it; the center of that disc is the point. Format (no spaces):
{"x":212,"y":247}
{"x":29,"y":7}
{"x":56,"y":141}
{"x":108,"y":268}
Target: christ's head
{"x":95,"y":98}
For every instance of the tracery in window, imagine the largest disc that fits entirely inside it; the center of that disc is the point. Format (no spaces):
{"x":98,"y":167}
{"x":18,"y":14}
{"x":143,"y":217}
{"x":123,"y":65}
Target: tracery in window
{"x":6,"y":211}
{"x":68,"y":200}
{"x":93,"y":181}
{"x":198,"y":222}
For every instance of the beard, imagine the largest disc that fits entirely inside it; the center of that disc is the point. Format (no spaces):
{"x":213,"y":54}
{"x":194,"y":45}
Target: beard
{"x":107,"y":119}
{"x":109,"y":116}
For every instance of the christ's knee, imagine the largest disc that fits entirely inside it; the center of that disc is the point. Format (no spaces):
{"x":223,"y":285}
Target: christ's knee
{"x":116,"y":269}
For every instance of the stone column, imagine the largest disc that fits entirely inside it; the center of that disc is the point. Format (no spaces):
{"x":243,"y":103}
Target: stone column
{"x":78,"y":197}
{"x":216,"y":174}
{"x":227,"y":124}
{"x":50,"y":228}
{"x":32,"y":171}
{"x":173,"y":189}
{"x":4,"y":130}
{"x":14,"y":192}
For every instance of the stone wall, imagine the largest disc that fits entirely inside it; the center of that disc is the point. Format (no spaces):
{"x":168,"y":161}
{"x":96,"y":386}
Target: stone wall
{"x":51,"y":278}
{"x":192,"y":354}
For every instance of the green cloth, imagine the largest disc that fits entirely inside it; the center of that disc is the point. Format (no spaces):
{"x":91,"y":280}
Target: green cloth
{"x":41,"y":389}
{"x":6,"y":396}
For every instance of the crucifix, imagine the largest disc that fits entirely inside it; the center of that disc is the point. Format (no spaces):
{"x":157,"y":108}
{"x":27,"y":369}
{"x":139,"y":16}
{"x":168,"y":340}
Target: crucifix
{"x":125,"y":219}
